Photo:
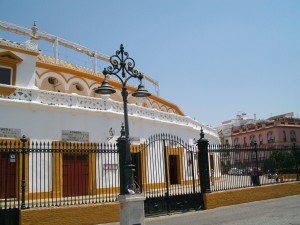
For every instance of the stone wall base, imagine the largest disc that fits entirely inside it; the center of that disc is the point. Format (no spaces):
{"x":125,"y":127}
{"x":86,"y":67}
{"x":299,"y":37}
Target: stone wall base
{"x":238,"y":196}
{"x":67,"y":215}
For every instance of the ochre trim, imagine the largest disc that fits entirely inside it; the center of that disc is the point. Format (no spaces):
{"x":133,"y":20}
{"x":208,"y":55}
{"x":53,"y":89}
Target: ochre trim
{"x":28,"y":52}
{"x":6,"y":91}
{"x":10,"y":57}
{"x":244,"y":195}
{"x":70,"y":215}
{"x":62,"y":69}
{"x":169,"y":104}
{"x":98,"y":80}
{"x":57,"y":147}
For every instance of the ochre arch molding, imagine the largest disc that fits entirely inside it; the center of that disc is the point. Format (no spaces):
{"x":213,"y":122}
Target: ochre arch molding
{"x":171,"y":111}
{"x":163,"y":108}
{"x":169,"y":104}
{"x":155,"y":105}
{"x":81,"y":81}
{"x":77,"y":80}
{"x":49,"y":73}
{"x":43,"y":84}
{"x":99,"y":79}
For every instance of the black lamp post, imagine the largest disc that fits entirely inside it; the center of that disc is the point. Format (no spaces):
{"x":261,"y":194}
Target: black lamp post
{"x":122,"y":66}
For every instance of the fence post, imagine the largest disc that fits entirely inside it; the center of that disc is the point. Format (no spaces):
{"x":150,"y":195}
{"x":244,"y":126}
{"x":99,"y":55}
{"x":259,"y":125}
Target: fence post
{"x":126,"y":167}
{"x":297,"y":157}
{"x":203,"y":163}
{"x":255,"y":175}
{"x":23,"y":185}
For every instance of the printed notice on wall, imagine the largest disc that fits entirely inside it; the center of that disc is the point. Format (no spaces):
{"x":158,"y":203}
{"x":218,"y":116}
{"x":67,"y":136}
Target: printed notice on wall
{"x":70,"y":135}
{"x":10,"y":133}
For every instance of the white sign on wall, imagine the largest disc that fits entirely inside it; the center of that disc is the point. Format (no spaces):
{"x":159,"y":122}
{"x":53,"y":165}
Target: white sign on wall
{"x":10,"y":133}
{"x":70,"y":135}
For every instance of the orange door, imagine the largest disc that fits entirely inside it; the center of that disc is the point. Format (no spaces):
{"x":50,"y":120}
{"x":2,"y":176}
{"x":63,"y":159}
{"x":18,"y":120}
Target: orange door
{"x":75,"y":174}
{"x":7,"y":175}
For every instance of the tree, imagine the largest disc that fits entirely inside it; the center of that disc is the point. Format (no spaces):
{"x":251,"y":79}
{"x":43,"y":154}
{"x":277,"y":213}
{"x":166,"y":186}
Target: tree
{"x":283,"y":159}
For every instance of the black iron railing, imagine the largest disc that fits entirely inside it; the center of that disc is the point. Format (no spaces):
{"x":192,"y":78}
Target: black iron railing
{"x":253,"y":165}
{"x":42,"y":174}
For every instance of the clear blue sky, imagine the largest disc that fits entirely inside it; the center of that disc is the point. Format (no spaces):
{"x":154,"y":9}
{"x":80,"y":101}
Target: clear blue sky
{"x":211,"y":58}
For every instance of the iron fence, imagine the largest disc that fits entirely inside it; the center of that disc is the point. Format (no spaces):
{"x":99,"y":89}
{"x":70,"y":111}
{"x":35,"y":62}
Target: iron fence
{"x":42,"y":174}
{"x":246,"y":166}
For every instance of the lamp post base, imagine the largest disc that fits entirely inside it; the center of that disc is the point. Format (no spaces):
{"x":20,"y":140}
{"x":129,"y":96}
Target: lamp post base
{"x":132,"y":209}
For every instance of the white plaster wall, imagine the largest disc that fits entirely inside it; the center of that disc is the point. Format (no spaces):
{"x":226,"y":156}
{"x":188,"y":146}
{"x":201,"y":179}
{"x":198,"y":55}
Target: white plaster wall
{"x":46,"y":122}
{"x":40,"y":172}
{"x":107,"y":178}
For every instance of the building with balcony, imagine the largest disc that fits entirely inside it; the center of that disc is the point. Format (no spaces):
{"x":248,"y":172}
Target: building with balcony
{"x":280,"y":130}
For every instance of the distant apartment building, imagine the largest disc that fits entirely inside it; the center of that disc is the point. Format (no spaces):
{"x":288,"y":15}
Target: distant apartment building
{"x":225,"y":130}
{"x":242,"y":133}
{"x":280,"y":130}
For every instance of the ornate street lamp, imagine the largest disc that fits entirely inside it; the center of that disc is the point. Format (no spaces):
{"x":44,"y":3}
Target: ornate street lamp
{"x":122,"y":66}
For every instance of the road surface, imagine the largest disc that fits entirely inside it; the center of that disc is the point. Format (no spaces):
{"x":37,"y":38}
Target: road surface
{"x":280,"y":211}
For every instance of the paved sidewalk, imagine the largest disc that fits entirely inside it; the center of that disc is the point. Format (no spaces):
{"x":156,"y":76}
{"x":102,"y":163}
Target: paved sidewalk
{"x":280,"y":211}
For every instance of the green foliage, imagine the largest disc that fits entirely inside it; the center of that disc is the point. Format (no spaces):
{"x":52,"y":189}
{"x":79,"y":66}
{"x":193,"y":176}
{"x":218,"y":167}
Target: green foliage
{"x":283,"y":159}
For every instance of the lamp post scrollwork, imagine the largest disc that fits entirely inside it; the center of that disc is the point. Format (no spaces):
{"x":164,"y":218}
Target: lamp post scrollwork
{"x":122,"y":67}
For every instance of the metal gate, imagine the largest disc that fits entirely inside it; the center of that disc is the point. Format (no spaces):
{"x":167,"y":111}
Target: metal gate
{"x":166,"y":169}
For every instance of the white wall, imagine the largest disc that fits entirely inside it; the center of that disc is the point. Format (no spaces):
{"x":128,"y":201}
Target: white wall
{"x":46,"y":122}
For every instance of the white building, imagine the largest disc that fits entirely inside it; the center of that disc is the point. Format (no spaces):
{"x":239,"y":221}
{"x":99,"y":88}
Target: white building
{"x":225,"y":129}
{"x":47,"y":99}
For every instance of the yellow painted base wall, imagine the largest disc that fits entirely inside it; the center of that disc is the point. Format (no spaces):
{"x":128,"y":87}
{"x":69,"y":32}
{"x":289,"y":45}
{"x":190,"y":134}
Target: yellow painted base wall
{"x":110,"y":212}
{"x":86,"y":214}
{"x":233,"y":197}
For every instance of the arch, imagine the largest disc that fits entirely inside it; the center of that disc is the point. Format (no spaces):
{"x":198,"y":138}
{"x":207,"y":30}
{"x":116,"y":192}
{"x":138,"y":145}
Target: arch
{"x":155,"y":105}
{"x":147,"y":103}
{"x":77,"y":85}
{"x":170,"y":110}
{"x":163,"y":108}
{"x":51,"y":81}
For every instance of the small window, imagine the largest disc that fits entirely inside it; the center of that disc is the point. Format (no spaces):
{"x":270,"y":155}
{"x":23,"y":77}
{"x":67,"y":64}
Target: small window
{"x":271,"y":138}
{"x":252,"y":140}
{"x":284,"y":136}
{"x":5,"y":75}
{"x":236,"y":142}
{"x":293,"y":136}
{"x":261,"y":141}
